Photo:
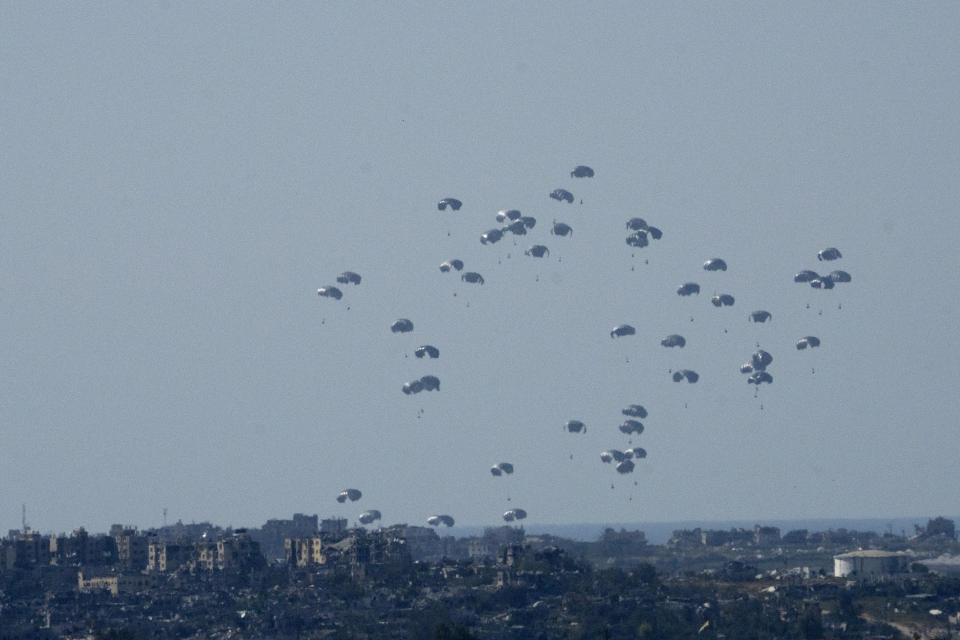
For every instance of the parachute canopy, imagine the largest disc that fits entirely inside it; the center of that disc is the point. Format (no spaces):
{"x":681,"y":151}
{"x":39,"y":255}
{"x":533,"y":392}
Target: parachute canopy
{"x":625,"y":467}
{"x":561,"y":195}
{"x":759,"y":377}
{"x":491,"y":237}
{"x":349,"y":277}
{"x":839,"y":276}
{"x":715,"y":264}
{"x":508,"y":214}
{"x":537,"y":251}
{"x":455,"y":264}
{"x":610,"y":455}
{"x":674,"y":340}
{"x":453,"y":203}
{"x":761,"y":360}
{"x":638,"y":239}
{"x":808,"y":341}
{"x":622,"y":330}
{"x":690,"y":376}
{"x":472,"y":276}
{"x":436,"y":521}
{"x":631,"y":426}
{"x":689,"y":288}
{"x":760,"y":316}
{"x":637,"y":224}
{"x":636,"y":452}
{"x":830,"y":253}
{"x":635,"y":411}
{"x":514,"y":514}
{"x":575,"y":426}
{"x":369,"y":516}
{"x":561,"y":229}
{"x":401,"y":326}
{"x":427,"y":350}
{"x":349,"y":494}
{"x":330,"y":292}
{"x":581,"y":171}
{"x":722,"y":300}
{"x":806,"y":276}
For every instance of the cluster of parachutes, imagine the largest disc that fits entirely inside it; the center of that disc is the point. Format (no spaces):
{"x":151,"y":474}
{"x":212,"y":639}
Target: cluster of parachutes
{"x":631,"y":426}
{"x":818,"y":281}
{"x":330,"y":291}
{"x":641,"y":233}
{"x":512,"y":221}
{"x":757,"y":368}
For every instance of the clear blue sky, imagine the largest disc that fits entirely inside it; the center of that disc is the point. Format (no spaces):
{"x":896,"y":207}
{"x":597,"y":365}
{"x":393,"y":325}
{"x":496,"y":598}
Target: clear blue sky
{"x":177,"y":180}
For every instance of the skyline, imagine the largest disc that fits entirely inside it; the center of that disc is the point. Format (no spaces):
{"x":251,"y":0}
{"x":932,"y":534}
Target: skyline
{"x":180,"y":180}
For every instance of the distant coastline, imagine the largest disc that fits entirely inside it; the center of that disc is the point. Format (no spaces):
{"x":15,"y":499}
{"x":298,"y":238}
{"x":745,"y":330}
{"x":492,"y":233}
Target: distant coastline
{"x":659,"y":532}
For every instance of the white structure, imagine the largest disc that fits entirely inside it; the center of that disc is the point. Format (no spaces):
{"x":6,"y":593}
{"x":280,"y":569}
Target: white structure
{"x":872,"y":562}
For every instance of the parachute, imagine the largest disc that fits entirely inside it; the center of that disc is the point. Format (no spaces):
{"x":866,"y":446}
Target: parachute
{"x":761,"y":360}
{"x":637,"y":452}
{"x":806,"y":276}
{"x":635,"y":411}
{"x":537,"y":251}
{"x":473,"y":277}
{"x":514,"y":514}
{"x":689,"y":288}
{"x":722,"y":300}
{"x":517,"y":228}
{"x":638,"y":239}
{"x":561,"y":229}
{"x":625,"y":467}
{"x":369,"y":516}
{"x":823,"y":282}
{"x":330,"y":292}
{"x":491,"y":237}
{"x":575,"y":426}
{"x":637,"y":224}
{"x":691,"y":376}
{"x":746,"y":367}
{"x":349,"y":494}
{"x":529,"y":221}
{"x":430,"y":383}
{"x":655,"y":233}
{"x":401,"y":326}
{"x":506,"y":467}
{"x":348,"y":277}
{"x":413,"y":386}
{"x":453,"y":203}
{"x":715,"y":264}
{"x":610,"y":455}
{"x":427,"y":350}
{"x":674,"y":340}
{"x":808,"y":341}
{"x":759,"y":377}
{"x":561,"y":194}
{"x":631,"y":426}
{"x":839,"y":276}
{"x":455,"y":264}
{"x":436,"y":521}
{"x":508,"y":214}
{"x":760,"y":316}
{"x":622,"y":330}
{"x":830,"y":253}
{"x":581,"y":171}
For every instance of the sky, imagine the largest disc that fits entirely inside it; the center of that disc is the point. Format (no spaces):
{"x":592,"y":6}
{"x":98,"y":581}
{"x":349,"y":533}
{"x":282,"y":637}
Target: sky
{"x":177,"y":181}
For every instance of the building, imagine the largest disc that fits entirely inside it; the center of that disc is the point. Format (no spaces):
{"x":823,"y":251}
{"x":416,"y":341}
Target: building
{"x":870,"y":563}
{"x":115,"y":583}
{"x":165,"y":557}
